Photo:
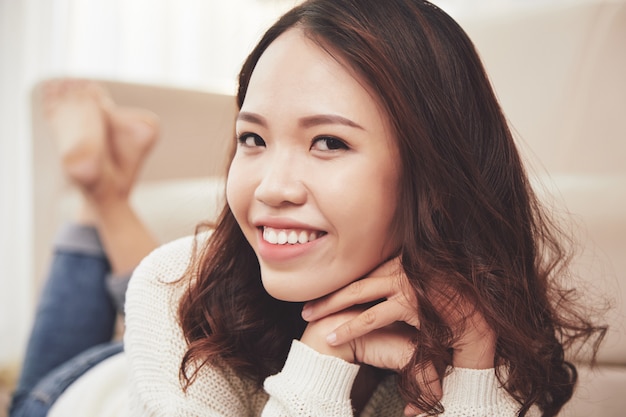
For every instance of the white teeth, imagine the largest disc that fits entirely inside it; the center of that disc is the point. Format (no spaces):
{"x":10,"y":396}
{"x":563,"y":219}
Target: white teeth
{"x":292,"y":237}
{"x":282,"y":237}
{"x":270,"y":236}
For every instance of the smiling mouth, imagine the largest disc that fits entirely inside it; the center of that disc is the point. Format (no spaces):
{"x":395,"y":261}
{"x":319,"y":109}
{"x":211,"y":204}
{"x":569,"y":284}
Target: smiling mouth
{"x":290,"y":236}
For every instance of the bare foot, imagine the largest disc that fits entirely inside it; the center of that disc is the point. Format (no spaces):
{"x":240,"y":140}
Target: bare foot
{"x":133,"y":134}
{"x":73,"y":111}
{"x":102,"y":146}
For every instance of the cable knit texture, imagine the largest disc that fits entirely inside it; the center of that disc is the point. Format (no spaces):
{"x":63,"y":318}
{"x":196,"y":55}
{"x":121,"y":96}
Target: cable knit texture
{"x":310,"y":384}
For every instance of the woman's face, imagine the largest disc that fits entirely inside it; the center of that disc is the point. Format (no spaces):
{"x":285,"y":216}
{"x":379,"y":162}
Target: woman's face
{"x":313,"y":184}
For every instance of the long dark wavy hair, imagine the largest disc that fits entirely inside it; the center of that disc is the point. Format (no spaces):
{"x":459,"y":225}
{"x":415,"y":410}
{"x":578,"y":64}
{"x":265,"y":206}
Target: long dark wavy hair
{"x":470,"y":226}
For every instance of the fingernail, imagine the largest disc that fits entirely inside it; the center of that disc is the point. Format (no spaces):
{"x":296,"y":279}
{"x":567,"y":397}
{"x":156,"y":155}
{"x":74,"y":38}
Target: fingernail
{"x":331,"y":338}
{"x":306,"y":312}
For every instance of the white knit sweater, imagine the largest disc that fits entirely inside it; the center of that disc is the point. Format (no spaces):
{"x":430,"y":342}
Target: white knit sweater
{"x":310,"y":384}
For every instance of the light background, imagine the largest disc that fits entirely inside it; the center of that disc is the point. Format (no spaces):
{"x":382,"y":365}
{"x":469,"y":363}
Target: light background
{"x":189,"y":43}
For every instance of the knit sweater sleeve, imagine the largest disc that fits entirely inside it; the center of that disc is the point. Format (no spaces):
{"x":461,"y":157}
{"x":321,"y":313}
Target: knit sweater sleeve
{"x":311,"y":384}
{"x":478,"y":393}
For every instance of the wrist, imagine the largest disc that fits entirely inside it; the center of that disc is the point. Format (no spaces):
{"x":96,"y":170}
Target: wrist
{"x":320,"y":345}
{"x":315,"y":337}
{"x":326,"y":378}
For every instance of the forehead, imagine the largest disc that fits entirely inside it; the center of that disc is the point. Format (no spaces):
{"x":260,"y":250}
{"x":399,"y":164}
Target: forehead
{"x":297,"y":73}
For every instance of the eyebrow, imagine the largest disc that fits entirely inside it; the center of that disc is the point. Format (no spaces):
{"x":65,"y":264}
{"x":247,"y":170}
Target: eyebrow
{"x":306,"y":122}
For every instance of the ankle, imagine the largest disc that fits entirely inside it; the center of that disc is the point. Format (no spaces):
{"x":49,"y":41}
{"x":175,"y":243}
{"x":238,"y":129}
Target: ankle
{"x":110,"y":189}
{"x":86,"y":215}
{"x":100,"y":206}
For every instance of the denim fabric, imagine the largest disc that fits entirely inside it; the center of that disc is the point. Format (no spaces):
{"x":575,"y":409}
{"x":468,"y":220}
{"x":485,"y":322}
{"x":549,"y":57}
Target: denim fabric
{"x":73,"y":325}
{"x":116,"y":286}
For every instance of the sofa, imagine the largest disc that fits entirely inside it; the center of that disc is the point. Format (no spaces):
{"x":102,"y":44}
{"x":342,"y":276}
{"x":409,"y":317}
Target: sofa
{"x":560,"y":74}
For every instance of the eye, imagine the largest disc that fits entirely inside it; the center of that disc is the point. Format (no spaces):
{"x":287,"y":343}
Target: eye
{"x":250,"y":140}
{"x":328,"y":143}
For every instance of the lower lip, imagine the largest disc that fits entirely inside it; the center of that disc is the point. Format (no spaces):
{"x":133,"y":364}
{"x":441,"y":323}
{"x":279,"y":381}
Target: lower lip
{"x":281,"y":253}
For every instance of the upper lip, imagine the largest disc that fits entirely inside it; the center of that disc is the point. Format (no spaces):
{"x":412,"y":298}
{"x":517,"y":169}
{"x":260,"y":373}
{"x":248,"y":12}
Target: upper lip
{"x":284,"y":223}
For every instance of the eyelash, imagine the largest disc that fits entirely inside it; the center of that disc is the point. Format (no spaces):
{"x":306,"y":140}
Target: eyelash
{"x":243,"y":138}
{"x":332,"y":143}
{"x":330,"y":140}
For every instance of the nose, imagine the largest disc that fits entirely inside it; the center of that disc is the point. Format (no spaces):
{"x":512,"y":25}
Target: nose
{"x":281,"y":183}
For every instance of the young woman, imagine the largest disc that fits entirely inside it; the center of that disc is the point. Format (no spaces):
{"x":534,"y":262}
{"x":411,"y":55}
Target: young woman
{"x":381,"y":251}
{"x":376,"y":180}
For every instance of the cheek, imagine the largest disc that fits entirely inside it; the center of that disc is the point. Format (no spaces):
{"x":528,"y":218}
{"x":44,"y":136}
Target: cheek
{"x":382,"y":201}
{"x":374,"y":192}
{"x":364,"y":212}
{"x":231,"y":192}
{"x":237,"y":191}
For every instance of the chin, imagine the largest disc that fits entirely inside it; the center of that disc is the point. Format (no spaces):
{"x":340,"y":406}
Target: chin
{"x":285,"y":293}
{"x":283,"y":288}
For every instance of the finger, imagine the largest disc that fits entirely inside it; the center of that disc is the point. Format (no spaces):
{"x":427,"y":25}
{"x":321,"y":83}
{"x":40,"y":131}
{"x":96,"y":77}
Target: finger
{"x":376,"y":317}
{"x":376,"y":285}
{"x":362,"y":291}
{"x":390,"y":347}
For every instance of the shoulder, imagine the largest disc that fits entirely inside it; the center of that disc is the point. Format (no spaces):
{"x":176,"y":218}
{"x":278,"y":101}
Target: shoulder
{"x":169,"y":262}
{"x":159,"y":278}
{"x":155,"y":345}
{"x":156,"y":287}
{"x":153,"y":294}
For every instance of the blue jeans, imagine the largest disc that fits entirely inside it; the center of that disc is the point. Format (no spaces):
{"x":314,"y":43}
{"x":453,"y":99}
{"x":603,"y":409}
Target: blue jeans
{"x":73,"y":325}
